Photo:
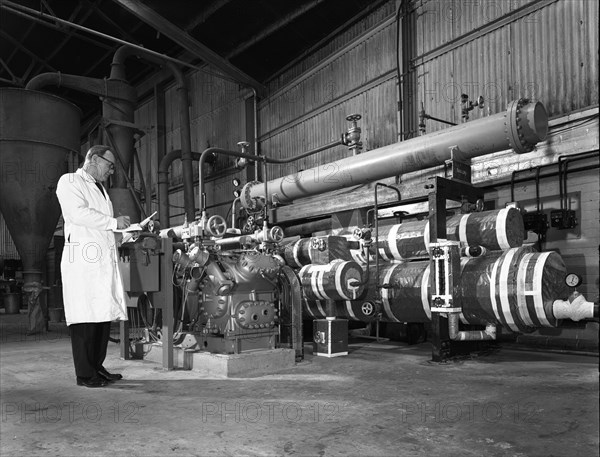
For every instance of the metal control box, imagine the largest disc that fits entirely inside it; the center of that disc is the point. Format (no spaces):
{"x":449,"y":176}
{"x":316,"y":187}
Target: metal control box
{"x":331,"y":337}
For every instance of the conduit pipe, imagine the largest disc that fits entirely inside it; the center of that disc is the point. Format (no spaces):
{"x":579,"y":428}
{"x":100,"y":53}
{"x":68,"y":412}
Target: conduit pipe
{"x":472,"y":335}
{"x":520,"y":127}
{"x":163,"y":183}
{"x":118,"y":73}
{"x":255,"y":158}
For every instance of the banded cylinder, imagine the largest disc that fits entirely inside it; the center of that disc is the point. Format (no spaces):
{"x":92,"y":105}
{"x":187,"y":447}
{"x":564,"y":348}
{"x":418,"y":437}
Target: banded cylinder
{"x":298,"y":254}
{"x":356,"y":310}
{"x":514,"y":288}
{"x":495,"y":230}
{"x":318,"y":250}
{"x":338,"y":280}
{"x":404,"y":299}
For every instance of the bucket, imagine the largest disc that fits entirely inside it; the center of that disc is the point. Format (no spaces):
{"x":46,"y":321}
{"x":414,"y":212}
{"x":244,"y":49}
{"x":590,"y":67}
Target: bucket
{"x":55,"y":314}
{"x":12,"y":303}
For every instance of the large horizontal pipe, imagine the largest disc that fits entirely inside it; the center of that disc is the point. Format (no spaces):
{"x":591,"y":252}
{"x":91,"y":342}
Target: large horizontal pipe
{"x":520,"y":127}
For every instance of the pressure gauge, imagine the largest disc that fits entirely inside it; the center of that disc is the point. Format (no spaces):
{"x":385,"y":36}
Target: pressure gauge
{"x":573,"y":280}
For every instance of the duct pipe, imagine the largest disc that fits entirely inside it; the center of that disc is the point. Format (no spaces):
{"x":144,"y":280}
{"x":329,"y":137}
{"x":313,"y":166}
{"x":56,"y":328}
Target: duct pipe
{"x":523,"y":125}
{"x":163,"y":184}
{"x":118,"y":102}
{"x":118,"y":73}
{"x":100,"y":87}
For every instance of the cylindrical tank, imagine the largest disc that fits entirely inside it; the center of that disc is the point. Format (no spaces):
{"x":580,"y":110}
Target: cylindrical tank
{"x":12,"y":303}
{"x":514,"y":288}
{"x":495,"y":230}
{"x":298,"y":253}
{"x":38,"y":133}
{"x":354,"y":310}
{"x":338,"y":280}
{"x":406,"y":300}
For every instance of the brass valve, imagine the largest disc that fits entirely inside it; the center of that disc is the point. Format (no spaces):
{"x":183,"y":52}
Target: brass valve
{"x":352,"y":137}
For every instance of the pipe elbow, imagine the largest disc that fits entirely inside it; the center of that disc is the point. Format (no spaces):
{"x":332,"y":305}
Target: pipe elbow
{"x":117,"y":66}
{"x":43,"y":80}
{"x":577,"y":309}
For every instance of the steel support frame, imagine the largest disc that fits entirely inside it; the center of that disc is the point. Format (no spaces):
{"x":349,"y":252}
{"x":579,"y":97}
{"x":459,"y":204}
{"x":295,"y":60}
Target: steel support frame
{"x":441,"y":190}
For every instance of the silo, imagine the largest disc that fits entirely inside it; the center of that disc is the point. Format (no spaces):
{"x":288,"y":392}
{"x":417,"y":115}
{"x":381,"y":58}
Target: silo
{"x":39,"y":136}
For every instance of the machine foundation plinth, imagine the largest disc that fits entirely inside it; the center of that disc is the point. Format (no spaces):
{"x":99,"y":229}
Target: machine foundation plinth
{"x":257,"y":362}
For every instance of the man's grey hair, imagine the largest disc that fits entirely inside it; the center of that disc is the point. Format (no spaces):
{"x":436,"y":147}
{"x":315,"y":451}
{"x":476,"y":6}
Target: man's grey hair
{"x":97,"y":150}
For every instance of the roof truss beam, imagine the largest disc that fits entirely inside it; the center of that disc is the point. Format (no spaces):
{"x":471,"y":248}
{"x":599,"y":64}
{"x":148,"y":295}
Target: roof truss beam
{"x":179,"y":36}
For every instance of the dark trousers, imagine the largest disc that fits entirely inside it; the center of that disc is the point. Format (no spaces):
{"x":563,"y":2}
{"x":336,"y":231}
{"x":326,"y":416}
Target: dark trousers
{"x":89,"y":342}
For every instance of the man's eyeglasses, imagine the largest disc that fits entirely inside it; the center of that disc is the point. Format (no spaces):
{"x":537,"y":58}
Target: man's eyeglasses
{"x":111,"y":166}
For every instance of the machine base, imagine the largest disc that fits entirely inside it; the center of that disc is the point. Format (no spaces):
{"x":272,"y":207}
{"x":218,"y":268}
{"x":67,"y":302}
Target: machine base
{"x":247,"y":364}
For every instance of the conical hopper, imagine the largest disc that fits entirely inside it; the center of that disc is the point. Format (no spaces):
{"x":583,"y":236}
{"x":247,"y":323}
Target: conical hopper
{"x":39,"y":136}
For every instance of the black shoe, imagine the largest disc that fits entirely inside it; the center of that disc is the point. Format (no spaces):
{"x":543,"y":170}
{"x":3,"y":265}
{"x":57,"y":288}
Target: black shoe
{"x":110,"y":377}
{"x":91,"y":382}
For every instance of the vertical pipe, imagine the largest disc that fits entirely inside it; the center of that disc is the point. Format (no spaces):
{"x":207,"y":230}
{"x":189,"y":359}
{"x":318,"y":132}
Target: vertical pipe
{"x":118,"y":72}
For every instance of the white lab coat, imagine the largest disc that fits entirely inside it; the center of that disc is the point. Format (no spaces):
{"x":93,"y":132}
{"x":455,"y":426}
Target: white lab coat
{"x":92,"y":283}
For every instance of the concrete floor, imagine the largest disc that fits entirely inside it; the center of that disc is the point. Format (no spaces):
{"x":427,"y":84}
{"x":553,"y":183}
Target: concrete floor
{"x":383,"y":399}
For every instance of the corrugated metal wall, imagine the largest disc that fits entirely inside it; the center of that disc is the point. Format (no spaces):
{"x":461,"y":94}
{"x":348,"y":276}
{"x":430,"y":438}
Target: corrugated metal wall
{"x":308,"y":104}
{"x":503,"y":50}
{"x":541,"y":49}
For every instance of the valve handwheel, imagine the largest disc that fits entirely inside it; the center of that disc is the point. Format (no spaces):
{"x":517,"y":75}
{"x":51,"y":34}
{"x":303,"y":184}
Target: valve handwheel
{"x":357,"y":233}
{"x":367,"y":308}
{"x":276,"y":233}
{"x":216,"y":225}
{"x":353,"y":117}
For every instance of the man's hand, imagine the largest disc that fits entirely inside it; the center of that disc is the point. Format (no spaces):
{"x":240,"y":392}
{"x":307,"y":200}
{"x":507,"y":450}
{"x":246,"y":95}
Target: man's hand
{"x":122,"y":222}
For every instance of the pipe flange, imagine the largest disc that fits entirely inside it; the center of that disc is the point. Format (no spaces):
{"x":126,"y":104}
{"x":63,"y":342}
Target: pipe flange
{"x":526,"y":124}
{"x":513,"y":110}
{"x":247,"y":201}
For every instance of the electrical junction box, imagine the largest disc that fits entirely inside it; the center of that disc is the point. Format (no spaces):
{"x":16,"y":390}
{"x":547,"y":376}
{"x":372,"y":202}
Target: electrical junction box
{"x":330,"y":337}
{"x":563,"y":219}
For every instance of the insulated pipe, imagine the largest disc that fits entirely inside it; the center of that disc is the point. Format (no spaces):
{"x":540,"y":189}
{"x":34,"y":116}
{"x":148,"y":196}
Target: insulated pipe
{"x":523,"y":125}
{"x":118,"y":73}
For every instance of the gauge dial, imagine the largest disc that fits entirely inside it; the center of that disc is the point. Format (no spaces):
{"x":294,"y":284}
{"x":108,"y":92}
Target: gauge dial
{"x":572,"y":280}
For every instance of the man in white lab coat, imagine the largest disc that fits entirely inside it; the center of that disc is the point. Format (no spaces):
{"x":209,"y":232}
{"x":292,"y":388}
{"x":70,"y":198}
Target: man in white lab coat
{"x":92,"y":284}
